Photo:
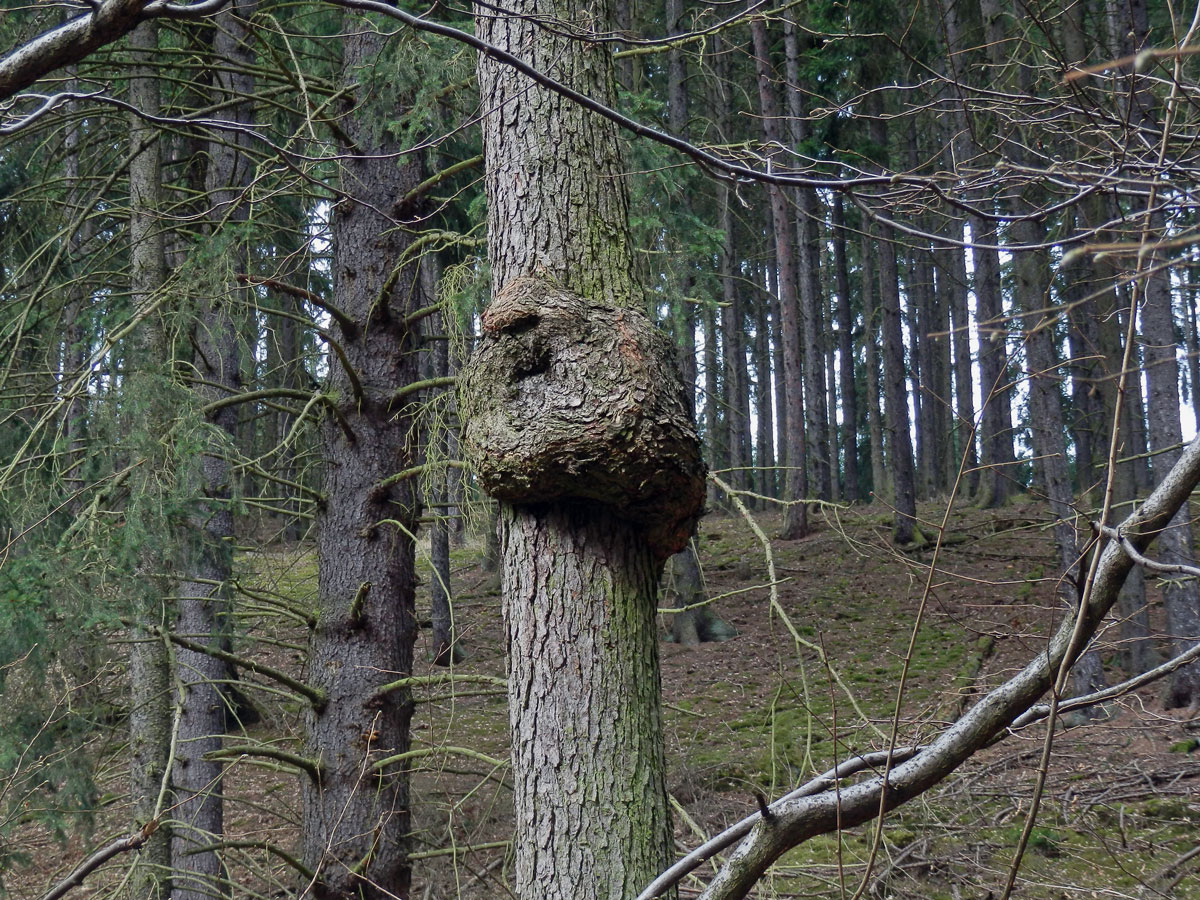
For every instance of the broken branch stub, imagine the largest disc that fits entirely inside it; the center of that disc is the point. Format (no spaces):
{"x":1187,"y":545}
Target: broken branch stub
{"x":567,"y":398}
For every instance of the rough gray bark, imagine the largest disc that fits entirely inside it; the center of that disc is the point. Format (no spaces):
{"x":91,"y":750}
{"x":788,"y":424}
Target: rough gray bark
{"x":205,"y":592}
{"x":356,"y":815}
{"x":900,"y":454}
{"x":445,"y":647}
{"x":970,"y":27}
{"x":588,"y":786}
{"x":579,"y":578}
{"x":848,"y":387}
{"x":792,"y":412}
{"x":149,"y":662}
{"x":954,"y":281}
{"x":764,"y":448}
{"x":880,"y":485}
{"x":821,"y":451}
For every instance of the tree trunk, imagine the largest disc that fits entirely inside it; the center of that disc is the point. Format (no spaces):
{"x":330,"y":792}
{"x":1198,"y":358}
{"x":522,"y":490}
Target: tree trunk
{"x":579,"y":578}
{"x":996,"y":436}
{"x":845,"y":323}
{"x":880,"y":486}
{"x":900,"y":454}
{"x":1181,"y":596}
{"x":821,"y":453}
{"x":149,"y":663}
{"x":356,"y":814}
{"x":796,"y":518}
{"x":445,"y":647}
{"x":205,"y":595}
{"x":764,"y":446}
{"x":954,"y":281}
{"x":735,"y":367}
{"x":1032,"y":296}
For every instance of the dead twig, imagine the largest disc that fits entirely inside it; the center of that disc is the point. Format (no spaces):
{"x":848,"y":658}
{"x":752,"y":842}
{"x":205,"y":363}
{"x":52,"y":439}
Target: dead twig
{"x":100,"y":857}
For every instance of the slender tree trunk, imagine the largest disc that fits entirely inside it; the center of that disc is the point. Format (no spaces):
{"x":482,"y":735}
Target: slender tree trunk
{"x":75,"y":335}
{"x":735,"y":368}
{"x":831,"y":407}
{"x":845,"y":322}
{"x":787,"y":454}
{"x":764,"y":447}
{"x":996,"y":435}
{"x":922,"y":326}
{"x":973,"y":31}
{"x":579,"y":580}
{"x":796,"y":519}
{"x":1032,"y":290}
{"x":1087,"y":424}
{"x":954,"y":279}
{"x":900,"y":454}
{"x":1181,"y":596}
{"x":1131,"y":475}
{"x":820,"y":451}
{"x":938,"y":336}
{"x":716,"y":449}
{"x":356,"y":813}
{"x":1193,"y":337}
{"x":880,"y":485}
{"x":149,"y":664}
{"x":205,"y":595}
{"x":446,"y":648}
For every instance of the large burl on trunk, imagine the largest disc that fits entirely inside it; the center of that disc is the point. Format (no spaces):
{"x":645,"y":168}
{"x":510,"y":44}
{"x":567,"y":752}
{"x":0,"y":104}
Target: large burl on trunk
{"x":574,"y":399}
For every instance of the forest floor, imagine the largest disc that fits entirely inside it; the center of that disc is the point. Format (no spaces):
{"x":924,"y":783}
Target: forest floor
{"x":811,"y":679}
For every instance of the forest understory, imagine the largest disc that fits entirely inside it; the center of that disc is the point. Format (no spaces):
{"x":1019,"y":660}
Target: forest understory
{"x":811,"y":678}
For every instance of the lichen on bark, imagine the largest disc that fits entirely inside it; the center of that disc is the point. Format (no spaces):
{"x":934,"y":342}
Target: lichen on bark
{"x":571,"y":398}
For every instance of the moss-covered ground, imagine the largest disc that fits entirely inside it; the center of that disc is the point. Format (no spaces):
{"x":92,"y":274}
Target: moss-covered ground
{"x":813,"y":676}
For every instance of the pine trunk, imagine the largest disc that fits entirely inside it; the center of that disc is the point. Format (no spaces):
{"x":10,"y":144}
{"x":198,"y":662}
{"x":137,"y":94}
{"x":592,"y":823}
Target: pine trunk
{"x":796,"y":518}
{"x":845,"y":323}
{"x":149,"y":664}
{"x":205,"y":595}
{"x":881,"y":488}
{"x":356,"y":813}
{"x":900,"y":457}
{"x":579,"y":578}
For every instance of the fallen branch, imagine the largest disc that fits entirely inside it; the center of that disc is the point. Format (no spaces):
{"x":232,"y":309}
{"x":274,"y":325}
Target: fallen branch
{"x":100,"y":857}
{"x":797,"y":818}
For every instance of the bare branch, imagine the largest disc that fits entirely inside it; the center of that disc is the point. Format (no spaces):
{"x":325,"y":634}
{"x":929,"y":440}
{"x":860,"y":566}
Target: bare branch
{"x":100,"y":857}
{"x":797,"y":820}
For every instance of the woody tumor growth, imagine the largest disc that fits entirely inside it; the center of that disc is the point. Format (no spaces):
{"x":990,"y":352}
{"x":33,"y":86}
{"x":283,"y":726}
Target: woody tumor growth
{"x":574,"y":399}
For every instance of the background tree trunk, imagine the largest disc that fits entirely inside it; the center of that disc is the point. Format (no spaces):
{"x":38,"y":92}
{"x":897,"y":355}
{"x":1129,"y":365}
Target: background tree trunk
{"x":796,"y":519}
{"x":205,"y":594}
{"x":149,"y":663}
{"x":356,"y":815}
